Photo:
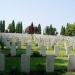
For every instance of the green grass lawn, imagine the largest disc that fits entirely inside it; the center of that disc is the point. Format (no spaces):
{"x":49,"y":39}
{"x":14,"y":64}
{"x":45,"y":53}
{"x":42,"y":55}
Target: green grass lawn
{"x":37,"y":64}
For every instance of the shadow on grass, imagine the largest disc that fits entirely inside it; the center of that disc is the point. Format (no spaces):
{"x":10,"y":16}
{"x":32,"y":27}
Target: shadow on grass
{"x":37,"y":66}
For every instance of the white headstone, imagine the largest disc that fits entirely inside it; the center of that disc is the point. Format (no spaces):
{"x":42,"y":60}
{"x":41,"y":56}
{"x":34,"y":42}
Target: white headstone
{"x":2,"y":62}
{"x":65,"y":46}
{"x":19,"y":44}
{"x":13,"y":49}
{"x":41,"y":42}
{"x":69,"y":50}
{"x":29,"y":50}
{"x":8,"y":44}
{"x":50,"y":63}
{"x":73,"y":46}
{"x":49,"y":44}
{"x":4,"y":40}
{"x":56,"y":50}
{"x":25,"y":63}
{"x":71,"y":63}
{"x":43,"y":51}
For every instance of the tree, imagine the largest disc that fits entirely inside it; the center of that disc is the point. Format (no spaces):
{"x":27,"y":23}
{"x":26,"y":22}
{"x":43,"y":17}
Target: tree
{"x":62,"y":30}
{"x":49,"y":30}
{"x":70,"y":29}
{"x":36,"y":30}
{"x":19,"y":27}
{"x":39,"y":29}
{"x":54,"y":32}
{"x":2,"y":26}
{"x":31,"y":28}
{"x":11,"y":27}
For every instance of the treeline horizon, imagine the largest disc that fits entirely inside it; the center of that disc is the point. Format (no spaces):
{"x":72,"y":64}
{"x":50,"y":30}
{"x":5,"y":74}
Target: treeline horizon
{"x":69,"y":30}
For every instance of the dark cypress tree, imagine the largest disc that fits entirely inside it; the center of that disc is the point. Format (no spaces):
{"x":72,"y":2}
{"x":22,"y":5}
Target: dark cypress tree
{"x":19,"y":27}
{"x":47,"y":30}
{"x":3,"y":25}
{"x":62,"y":30}
{"x":0,"y":26}
{"x":39,"y":29}
{"x":10,"y":28}
{"x":13,"y":26}
{"x":51,"y":30}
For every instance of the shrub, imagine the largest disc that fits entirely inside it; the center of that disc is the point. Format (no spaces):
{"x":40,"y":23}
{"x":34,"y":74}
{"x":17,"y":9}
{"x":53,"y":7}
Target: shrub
{"x":36,"y":54}
{"x":52,"y":46}
{"x":36,"y":44}
{"x":2,"y":45}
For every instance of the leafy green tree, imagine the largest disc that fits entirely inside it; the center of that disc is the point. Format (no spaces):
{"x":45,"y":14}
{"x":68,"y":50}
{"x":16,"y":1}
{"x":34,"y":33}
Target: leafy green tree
{"x":70,"y":29}
{"x":49,"y":30}
{"x":62,"y":30}
{"x":11,"y":27}
{"x":54,"y":31}
{"x":19,"y":27}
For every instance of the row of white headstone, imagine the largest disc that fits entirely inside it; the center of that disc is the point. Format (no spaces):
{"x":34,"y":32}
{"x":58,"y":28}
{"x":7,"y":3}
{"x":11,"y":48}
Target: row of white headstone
{"x":29,"y":50}
{"x":25,"y":63}
{"x":38,"y":37}
{"x":12,"y":47}
{"x":41,"y":41}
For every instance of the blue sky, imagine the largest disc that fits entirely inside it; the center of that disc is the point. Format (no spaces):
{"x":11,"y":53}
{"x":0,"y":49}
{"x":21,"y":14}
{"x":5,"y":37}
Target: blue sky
{"x":45,"y":12}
